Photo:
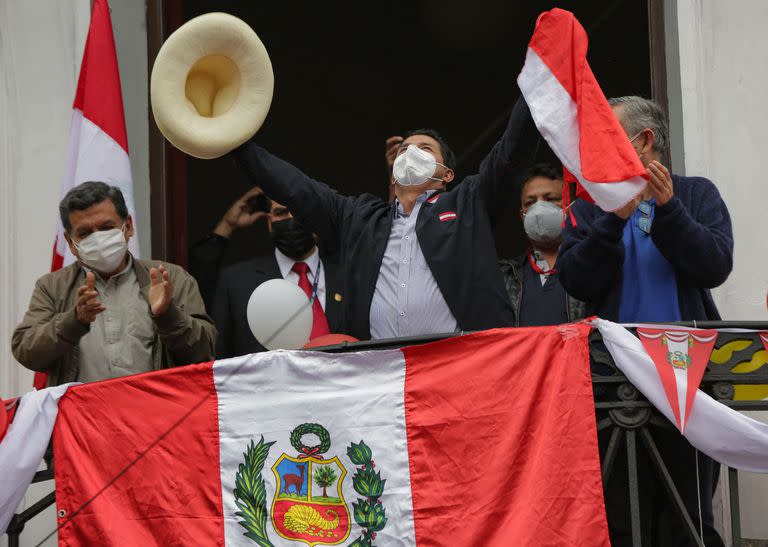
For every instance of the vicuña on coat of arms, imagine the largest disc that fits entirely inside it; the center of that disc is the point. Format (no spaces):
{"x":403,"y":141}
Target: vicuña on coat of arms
{"x":308,"y":504}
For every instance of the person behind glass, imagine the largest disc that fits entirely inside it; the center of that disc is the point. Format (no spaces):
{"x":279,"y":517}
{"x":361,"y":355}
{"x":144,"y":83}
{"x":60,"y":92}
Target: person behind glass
{"x":425,"y":263}
{"x":109,"y":314}
{"x":654,"y":260}
{"x":295,"y":257}
{"x":531,"y":279}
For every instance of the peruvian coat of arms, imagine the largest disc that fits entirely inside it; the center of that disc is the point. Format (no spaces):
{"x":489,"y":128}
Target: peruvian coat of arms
{"x":308,"y":504}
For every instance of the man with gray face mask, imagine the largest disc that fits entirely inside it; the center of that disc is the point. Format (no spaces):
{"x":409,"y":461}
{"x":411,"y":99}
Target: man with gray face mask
{"x":531,"y":279}
{"x":110,"y":314}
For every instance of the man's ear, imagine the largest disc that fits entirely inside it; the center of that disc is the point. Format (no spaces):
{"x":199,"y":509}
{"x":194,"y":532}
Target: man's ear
{"x":650,"y":139}
{"x":72,"y":247}
{"x":448,"y":175}
{"x":128,"y":227}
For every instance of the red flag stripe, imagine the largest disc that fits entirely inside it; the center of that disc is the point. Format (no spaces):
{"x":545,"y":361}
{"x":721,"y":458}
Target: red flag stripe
{"x":471,"y":443}
{"x":98,"y":88}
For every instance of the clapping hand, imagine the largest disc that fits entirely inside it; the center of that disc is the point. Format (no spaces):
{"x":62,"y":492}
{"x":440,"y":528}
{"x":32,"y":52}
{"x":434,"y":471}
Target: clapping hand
{"x":660,"y":183}
{"x":161,"y":291}
{"x":88,"y":305}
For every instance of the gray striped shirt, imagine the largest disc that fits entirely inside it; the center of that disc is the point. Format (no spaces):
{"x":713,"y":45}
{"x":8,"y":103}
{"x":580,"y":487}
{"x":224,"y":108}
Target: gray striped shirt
{"x":407,"y":300}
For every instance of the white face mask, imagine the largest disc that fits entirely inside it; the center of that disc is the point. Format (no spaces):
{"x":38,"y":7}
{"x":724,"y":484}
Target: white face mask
{"x":543,"y":221}
{"x":103,"y":251}
{"x":414,"y":166}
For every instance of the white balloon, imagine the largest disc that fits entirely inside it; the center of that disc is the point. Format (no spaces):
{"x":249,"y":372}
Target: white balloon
{"x":279,"y":315}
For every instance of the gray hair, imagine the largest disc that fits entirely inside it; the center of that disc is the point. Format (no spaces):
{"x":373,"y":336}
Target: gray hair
{"x":638,"y":114}
{"x":86,"y":195}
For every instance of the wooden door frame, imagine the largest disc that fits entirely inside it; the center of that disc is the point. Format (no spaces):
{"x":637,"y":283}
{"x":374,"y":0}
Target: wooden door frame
{"x":168,"y":166}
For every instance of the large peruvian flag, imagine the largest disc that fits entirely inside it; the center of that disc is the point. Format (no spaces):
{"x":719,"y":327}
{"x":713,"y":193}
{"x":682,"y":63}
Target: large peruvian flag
{"x":572,"y":114}
{"x":487,"y":439}
{"x":98,"y":142}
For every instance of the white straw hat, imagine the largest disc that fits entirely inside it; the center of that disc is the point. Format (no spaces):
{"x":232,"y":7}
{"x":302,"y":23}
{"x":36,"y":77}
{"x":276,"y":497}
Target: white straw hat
{"x":211,"y":85}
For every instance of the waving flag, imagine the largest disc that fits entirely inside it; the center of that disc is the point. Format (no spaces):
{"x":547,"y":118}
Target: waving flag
{"x":487,"y":439}
{"x":572,"y":114}
{"x":98,"y":142}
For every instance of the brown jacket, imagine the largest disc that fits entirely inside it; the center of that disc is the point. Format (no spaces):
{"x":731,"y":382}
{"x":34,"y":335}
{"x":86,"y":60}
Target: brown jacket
{"x":48,"y":336}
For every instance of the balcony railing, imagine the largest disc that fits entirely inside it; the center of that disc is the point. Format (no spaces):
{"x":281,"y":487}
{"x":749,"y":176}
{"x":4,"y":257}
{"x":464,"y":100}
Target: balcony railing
{"x":736,"y":376}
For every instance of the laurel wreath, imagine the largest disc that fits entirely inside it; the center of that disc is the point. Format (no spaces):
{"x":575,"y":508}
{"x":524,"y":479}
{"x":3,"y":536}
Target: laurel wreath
{"x":303,"y":429}
{"x":369,"y":512}
{"x":251,"y":495}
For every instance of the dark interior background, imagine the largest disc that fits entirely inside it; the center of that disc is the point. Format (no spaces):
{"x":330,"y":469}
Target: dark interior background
{"x":350,"y":74}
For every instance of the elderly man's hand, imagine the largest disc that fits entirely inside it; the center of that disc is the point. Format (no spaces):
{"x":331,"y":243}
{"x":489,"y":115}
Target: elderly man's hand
{"x":161,"y":291}
{"x":88,"y":305}
{"x":660,"y":183}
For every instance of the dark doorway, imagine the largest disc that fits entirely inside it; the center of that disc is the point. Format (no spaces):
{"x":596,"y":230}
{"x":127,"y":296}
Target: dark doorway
{"x":350,"y":74}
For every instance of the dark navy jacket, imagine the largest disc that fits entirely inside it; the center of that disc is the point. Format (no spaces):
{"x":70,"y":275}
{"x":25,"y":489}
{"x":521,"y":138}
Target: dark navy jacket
{"x":460,"y":250}
{"x":692,"y":231}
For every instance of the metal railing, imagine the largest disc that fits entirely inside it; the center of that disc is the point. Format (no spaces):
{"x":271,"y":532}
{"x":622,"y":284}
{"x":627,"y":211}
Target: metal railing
{"x":624,"y":416}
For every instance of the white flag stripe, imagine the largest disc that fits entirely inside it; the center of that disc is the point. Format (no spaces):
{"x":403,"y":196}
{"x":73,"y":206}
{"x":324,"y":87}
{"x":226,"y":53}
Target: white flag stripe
{"x":370,"y":409}
{"x":717,"y":430}
{"x":675,"y":342}
{"x":22,"y":448}
{"x":556,"y":116}
{"x":95,"y":156}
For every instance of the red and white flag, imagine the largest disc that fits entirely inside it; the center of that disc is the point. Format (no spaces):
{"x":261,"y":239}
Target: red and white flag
{"x":574,"y":117}
{"x":98,"y":142}
{"x":681,"y":357}
{"x":715,"y":429}
{"x":23,"y":443}
{"x":486,"y":439}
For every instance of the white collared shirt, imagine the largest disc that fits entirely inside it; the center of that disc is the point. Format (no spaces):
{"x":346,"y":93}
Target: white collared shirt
{"x":313,"y":261}
{"x":407,"y":300}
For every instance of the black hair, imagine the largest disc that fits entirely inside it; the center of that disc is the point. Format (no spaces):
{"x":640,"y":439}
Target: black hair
{"x":546,"y":170}
{"x":449,"y":158}
{"x":86,"y":195}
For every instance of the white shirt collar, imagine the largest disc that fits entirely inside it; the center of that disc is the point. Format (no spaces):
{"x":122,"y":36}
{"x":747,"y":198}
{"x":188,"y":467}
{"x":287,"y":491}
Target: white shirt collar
{"x":286,"y":264}
{"x":419,"y":200}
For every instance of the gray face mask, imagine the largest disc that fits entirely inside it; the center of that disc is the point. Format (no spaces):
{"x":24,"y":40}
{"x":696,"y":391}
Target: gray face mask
{"x":543,"y":221}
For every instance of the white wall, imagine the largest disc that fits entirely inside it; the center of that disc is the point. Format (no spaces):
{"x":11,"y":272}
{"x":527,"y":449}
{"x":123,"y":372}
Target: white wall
{"x":723,"y":50}
{"x":718,"y":89}
{"x":41,"y":45}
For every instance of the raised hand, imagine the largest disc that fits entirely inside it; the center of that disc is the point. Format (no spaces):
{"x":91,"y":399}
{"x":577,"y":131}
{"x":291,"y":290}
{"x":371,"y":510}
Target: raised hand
{"x":161,"y":291}
{"x":660,"y":183}
{"x":390,"y":153}
{"x":88,"y":305}
{"x":240,"y":214}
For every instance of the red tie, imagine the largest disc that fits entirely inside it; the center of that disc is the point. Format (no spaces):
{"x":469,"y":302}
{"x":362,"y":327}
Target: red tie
{"x":319,"y":322}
